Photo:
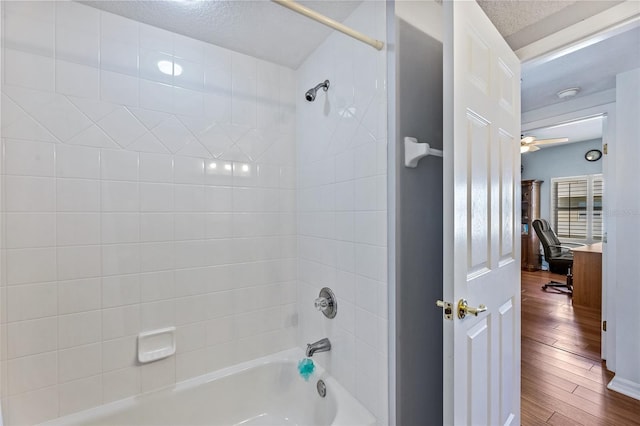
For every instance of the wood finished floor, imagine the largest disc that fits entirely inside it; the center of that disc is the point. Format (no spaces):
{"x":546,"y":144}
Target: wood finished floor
{"x":563,"y":378}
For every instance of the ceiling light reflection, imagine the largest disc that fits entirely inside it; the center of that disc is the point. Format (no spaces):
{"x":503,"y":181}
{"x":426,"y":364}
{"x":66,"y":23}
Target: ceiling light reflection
{"x":169,"y":68}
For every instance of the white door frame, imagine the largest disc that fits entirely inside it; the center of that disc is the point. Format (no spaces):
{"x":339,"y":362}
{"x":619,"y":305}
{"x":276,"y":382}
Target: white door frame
{"x":608,"y":110}
{"x":599,"y":27}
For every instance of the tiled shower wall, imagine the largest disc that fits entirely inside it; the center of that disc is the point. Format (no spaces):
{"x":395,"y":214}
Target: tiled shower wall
{"x":134,"y":200}
{"x":342,"y":175}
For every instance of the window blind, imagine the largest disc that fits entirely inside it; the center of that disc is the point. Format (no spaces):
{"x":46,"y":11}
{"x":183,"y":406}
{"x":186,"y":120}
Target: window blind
{"x":596,"y":214}
{"x":576,"y":206}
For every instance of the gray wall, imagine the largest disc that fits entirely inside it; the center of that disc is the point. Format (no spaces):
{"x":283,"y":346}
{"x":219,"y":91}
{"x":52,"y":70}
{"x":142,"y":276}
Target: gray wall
{"x":560,"y":161}
{"x":418,"y":231}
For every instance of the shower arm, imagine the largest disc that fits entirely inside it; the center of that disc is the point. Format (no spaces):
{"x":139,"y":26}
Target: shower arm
{"x":310,"y":13}
{"x":324,"y":86}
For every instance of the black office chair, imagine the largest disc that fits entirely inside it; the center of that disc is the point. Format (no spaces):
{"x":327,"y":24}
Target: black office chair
{"x":558,"y":255}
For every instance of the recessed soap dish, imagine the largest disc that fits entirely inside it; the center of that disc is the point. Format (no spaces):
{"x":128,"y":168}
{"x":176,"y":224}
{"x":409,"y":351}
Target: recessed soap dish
{"x":156,"y":344}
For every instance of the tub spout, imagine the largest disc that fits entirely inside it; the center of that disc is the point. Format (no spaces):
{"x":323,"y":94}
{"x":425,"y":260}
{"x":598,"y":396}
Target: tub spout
{"x":322,"y":345}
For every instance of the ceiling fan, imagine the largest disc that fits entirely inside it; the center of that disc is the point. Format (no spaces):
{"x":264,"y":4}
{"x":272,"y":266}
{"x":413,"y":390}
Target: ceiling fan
{"x":530,"y":143}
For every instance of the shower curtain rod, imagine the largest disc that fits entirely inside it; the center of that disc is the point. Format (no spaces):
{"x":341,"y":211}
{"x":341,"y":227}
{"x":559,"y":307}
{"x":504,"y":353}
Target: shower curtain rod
{"x":309,"y":13}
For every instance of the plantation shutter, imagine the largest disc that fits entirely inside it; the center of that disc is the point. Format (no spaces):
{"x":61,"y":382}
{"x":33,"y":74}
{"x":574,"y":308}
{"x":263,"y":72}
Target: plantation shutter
{"x":571,"y":209}
{"x":596,"y":220}
{"x":576,"y":207}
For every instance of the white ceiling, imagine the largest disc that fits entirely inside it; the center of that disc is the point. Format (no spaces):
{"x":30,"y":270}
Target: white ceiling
{"x":258,"y":28}
{"x":593,"y":69}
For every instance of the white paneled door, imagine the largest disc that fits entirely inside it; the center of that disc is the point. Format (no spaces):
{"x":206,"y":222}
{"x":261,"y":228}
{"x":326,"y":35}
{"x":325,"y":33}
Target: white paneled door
{"x":482,"y":225}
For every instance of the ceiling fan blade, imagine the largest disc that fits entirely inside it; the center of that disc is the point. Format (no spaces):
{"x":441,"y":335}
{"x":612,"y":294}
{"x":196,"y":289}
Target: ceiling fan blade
{"x":549,"y":141}
{"x":527,"y":147}
{"x":527,"y":139}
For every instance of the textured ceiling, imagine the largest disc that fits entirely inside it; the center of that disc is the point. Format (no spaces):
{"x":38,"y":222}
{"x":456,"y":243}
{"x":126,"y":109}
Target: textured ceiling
{"x":522,"y":22}
{"x":511,"y":16}
{"x":258,"y":28}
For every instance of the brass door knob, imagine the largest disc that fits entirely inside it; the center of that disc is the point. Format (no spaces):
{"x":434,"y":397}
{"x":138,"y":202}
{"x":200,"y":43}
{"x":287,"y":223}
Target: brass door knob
{"x":464,"y":309}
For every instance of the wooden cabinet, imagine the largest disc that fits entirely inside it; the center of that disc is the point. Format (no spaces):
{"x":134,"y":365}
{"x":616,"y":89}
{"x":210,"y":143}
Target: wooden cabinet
{"x":530,"y":211}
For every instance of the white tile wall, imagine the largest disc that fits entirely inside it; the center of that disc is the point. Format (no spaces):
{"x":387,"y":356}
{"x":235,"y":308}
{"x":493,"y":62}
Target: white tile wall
{"x":149,"y":200}
{"x":341,"y":161}
{"x":133,"y":200}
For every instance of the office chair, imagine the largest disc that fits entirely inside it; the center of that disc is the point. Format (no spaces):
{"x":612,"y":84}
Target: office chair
{"x":558,"y":255}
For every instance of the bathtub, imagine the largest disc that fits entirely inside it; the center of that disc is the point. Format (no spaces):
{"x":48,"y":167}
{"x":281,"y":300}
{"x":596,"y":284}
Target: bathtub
{"x":265,"y":391}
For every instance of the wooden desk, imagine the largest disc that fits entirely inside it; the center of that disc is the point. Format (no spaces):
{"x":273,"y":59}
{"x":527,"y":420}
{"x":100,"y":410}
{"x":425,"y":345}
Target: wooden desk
{"x":587,"y":276}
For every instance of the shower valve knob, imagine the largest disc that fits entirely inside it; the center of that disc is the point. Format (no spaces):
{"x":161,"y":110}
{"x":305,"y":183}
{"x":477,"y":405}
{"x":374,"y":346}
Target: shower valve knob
{"x":326,"y":303}
{"x":321,"y":303}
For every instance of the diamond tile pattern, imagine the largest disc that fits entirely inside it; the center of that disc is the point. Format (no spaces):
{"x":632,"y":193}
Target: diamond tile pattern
{"x":141,"y":205}
{"x":234,"y":154}
{"x":173,"y":134}
{"x":255,"y":143}
{"x":148,"y":143}
{"x":122,"y":126}
{"x":93,"y":136}
{"x":61,"y":118}
{"x":194,"y":149}
{"x":30,"y":114}
{"x":148,"y":117}
{"x":26,"y":127}
{"x":92,"y":108}
{"x":215,"y":139}
{"x":28,"y":99}
{"x":11,"y":112}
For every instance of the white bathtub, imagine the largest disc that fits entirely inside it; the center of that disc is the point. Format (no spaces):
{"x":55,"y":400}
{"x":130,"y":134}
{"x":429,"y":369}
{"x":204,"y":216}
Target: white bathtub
{"x":266,"y":391}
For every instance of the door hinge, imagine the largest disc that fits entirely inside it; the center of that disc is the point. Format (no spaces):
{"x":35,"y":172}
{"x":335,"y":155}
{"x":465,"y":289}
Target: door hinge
{"x":604,"y":148}
{"x":604,"y":326}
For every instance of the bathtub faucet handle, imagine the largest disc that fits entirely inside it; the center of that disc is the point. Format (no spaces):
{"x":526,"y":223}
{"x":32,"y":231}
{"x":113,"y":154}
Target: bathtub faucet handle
{"x":321,"y":303}
{"x":326,"y":303}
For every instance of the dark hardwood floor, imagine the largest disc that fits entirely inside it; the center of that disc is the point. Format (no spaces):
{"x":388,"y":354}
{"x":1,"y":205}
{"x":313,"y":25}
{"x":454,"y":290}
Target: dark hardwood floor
{"x":563,"y":379}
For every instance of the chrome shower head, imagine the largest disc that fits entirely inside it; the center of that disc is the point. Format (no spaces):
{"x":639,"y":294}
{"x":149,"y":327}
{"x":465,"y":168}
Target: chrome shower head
{"x":311,"y":93}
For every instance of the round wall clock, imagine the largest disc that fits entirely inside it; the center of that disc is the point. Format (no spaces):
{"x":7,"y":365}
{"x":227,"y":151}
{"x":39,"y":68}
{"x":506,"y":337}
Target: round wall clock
{"x":593,"y":155}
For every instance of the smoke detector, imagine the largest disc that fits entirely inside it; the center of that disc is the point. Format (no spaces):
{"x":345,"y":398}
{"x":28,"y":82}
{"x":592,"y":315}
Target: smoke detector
{"x":568,"y":93}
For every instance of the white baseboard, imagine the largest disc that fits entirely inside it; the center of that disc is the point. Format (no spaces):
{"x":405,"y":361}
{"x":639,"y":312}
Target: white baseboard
{"x":624,"y":386}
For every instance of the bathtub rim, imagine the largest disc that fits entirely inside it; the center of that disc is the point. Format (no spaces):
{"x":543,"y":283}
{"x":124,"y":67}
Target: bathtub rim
{"x":349,"y":411}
